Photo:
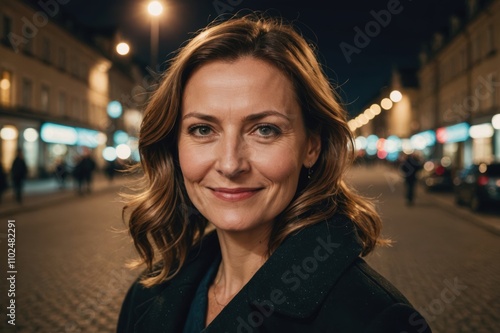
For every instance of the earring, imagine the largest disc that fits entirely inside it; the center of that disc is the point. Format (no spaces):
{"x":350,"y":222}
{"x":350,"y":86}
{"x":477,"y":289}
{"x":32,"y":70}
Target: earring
{"x":310,"y":171}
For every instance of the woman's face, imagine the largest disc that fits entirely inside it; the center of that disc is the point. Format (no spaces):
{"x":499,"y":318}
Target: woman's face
{"x":242,"y":143}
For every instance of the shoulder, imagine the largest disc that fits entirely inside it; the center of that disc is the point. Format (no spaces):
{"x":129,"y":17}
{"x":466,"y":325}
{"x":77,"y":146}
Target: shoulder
{"x":363,"y":295}
{"x":171,"y":293}
{"x":136,"y":302}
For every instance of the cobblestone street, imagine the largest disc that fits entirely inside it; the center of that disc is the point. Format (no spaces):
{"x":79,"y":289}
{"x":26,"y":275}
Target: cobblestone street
{"x":447,"y":266}
{"x":71,"y":274}
{"x":72,"y":277}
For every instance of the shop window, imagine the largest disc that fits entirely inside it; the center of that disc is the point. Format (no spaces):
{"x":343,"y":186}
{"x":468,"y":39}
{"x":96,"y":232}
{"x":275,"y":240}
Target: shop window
{"x":482,"y":150}
{"x":5,"y":88}
{"x":27,"y":93}
{"x":45,"y":98}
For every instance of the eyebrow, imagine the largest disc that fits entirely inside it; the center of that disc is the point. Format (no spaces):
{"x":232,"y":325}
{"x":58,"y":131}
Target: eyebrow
{"x":249,"y":118}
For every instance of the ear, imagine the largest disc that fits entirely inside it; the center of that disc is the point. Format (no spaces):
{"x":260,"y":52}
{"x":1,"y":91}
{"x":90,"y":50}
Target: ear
{"x":313,"y":149}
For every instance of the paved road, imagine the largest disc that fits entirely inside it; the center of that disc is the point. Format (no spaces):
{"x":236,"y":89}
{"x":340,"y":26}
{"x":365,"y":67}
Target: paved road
{"x":71,"y":275}
{"x":446,"y":265}
{"x":70,"y":261}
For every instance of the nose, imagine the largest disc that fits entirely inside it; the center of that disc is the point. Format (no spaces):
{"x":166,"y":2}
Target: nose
{"x":232,"y":159}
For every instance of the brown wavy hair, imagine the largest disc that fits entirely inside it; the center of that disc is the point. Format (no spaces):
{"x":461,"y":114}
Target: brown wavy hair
{"x":164,"y":224}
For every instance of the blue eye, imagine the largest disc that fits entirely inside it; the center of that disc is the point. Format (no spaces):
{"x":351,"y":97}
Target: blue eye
{"x":200,"y":130}
{"x":268,"y":130}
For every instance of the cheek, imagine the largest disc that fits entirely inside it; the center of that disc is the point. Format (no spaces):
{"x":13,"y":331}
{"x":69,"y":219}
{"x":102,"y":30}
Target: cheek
{"x":194,"y":162}
{"x":279,"y":166}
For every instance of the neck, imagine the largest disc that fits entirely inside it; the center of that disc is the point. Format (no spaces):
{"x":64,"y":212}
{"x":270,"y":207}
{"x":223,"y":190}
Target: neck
{"x":242,"y":255}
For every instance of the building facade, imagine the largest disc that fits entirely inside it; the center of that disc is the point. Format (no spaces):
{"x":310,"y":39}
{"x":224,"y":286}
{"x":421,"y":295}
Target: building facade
{"x":460,"y":87}
{"x":455,"y":112}
{"x":55,"y":87}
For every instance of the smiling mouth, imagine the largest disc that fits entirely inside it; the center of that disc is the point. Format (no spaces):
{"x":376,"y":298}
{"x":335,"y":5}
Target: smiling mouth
{"x":234,"y":194}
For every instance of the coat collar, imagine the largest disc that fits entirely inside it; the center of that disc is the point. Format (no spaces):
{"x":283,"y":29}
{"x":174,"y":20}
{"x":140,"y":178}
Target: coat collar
{"x":294,"y":280}
{"x":299,"y":274}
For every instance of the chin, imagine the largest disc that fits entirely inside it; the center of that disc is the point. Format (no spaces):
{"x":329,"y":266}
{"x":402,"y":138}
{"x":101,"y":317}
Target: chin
{"x":237,"y":223}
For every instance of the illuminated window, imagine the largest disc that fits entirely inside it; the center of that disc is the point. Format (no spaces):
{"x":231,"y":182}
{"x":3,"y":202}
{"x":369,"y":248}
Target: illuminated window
{"x":5,"y":88}
{"x":27,"y":93}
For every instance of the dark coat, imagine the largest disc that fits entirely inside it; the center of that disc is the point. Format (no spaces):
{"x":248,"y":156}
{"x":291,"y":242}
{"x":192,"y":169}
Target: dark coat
{"x":314,"y":282}
{"x":19,"y":170}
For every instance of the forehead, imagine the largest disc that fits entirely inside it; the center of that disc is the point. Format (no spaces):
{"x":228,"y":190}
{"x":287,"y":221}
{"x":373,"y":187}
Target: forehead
{"x":246,"y":83}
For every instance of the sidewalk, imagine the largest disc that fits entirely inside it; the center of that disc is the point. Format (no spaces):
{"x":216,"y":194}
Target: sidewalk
{"x":489,"y":219}
{"x":42,"y":192}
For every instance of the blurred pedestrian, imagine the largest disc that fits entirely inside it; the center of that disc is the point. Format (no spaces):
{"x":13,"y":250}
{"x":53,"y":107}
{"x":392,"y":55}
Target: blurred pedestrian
{"x":3,"y":182}
{"x":61,"y":172}
{"x":83,"y":172}
{"x":409,"y":168}
{"x":110,"y":170}
{"x":18,"y":172}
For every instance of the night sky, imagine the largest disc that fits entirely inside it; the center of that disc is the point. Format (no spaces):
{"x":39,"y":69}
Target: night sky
{"x":358,"y":81}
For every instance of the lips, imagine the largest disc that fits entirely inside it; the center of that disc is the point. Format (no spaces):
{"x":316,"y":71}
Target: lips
{"x":234,"y":194}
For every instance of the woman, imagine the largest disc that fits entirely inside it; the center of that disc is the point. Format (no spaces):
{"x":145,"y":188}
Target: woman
{"x":244,"y":135}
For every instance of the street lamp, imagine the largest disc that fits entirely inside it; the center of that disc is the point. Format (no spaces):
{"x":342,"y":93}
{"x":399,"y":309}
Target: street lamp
{"x":122,"y":48}
{"x":155,"y":8}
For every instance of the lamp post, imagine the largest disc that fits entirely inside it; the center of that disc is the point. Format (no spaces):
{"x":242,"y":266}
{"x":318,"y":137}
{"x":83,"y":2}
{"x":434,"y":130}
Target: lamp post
{"x":155,"y":8}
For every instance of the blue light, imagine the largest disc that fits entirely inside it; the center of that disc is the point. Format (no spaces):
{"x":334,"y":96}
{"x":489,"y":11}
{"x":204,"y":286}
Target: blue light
{"x":87,"y":138}
{"x":371,"y":144}
{"x":114,"y":109}
{"x":457,"y":133}
{"x":423,"y":139}
{"x":54,"y":133}
{"x":120,"y":137}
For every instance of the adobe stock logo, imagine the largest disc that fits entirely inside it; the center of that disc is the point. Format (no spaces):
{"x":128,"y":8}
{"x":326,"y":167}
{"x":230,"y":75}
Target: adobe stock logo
{"x":40,"y":19}
{"x":372,"y":29}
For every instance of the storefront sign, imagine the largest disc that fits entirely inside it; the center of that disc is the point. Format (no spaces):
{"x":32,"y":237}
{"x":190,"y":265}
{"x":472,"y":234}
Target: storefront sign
{"x":454,"y":133}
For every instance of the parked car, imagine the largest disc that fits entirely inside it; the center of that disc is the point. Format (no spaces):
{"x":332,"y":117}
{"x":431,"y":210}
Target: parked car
{"x":437,"y":175}
{"x":478,"y":185}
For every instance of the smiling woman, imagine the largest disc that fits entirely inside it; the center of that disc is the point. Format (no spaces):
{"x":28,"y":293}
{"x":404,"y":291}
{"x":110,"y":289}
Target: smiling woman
{"x":245,"y":136}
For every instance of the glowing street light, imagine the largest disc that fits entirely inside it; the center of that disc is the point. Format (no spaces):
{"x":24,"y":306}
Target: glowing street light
{"x":376,"y":109}
{"x":155,"y":8}
{"x":396,"y":96}
{"x":386,"y":103}
{"x":122,"y":48}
